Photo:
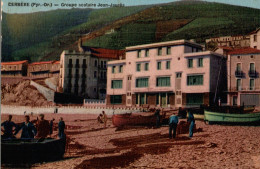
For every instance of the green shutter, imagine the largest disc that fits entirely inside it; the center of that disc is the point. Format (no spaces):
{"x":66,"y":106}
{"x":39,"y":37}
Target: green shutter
{"x":194,"y":80}
{"x":116,"y":84}
{"x":142,"y":82}
{"x":163,"y":81}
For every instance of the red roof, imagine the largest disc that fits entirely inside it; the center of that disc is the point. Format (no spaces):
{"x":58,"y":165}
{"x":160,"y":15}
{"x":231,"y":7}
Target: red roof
{"x":254,"y":32}
{"x":107,"y":53}
{"x":56,"y":62}
{"x":14,"y":63}
{"x":44,"y":62}
{"x":244,"y":51}
{"x":225,"y":47}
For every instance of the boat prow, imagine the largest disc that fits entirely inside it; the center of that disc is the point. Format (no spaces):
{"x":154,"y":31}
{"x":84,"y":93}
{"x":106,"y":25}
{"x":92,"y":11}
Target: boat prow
{"x":233,"y":118}
{"x":32,"y":150}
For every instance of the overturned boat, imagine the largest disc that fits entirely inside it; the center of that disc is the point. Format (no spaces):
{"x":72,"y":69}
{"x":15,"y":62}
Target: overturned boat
{"x":32,"y":150}
{"x":130,"y":119}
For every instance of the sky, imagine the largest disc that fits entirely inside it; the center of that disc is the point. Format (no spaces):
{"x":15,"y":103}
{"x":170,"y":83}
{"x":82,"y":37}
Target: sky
{"x":9,"y":6}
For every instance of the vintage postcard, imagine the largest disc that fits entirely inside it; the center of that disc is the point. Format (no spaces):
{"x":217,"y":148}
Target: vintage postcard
{"x":130,"y":84}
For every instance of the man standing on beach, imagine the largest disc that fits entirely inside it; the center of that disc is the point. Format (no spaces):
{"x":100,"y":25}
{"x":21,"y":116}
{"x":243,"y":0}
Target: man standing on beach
{"x":157,"y":115}
{"x":61,"y":127}
{"x":173,"y":122}
{"x":8,"y":127}
{"x":43,"y":127}
{"x":51,"y":126}
{"x":191,"y":120}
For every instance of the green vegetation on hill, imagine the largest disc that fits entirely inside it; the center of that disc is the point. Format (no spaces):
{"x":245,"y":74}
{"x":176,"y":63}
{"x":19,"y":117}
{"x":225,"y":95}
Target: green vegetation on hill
{"x":208,"y":20}
{"x":43,"y":35}
{"x":125,"y":37}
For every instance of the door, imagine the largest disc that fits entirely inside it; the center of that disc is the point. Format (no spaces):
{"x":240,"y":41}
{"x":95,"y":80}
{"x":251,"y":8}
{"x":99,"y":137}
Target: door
{"x":164,"y":100}
{"x":250,"y":99}
{"x":234,"y":100}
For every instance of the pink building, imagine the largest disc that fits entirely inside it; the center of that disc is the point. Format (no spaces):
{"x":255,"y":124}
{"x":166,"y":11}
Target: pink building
{"x":243,"y":67}
{"x":167,"y":74}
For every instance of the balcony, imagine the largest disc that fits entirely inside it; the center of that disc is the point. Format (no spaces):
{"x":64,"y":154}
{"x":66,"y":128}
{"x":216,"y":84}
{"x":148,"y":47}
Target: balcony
{"x":84,"y":66}
{"x":70,"y":65}
{"x":77,"y":66}
{"x":244,"y":89}
{"x":239,"y":73}
{"x":252,"y":73}
{"x":83,"y":76}
{"x":76,"y":76}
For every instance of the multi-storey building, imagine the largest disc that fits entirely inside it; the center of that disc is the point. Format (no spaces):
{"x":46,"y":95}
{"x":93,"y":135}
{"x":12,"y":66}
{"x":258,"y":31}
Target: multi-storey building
{"x":84,"y":72}
{"x":14,"y":69}
{"x":43,"y":69}
{"x":255,"y":39}
{"x":174,"y":73}
{"x":231,"y":41}
{"x":243,"y":67}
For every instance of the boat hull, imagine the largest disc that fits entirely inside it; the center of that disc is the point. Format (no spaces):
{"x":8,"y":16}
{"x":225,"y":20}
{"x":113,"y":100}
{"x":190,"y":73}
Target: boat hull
{"x":120,"y":120}
{"x":216,"y":117}
{"x":31,"y":151}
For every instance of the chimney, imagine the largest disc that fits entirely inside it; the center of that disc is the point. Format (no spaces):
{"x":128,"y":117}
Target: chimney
{"x":80,"y":45}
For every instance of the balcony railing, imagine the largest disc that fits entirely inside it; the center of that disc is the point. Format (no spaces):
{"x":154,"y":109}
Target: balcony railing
{"x":77,"y":66}
{"x":252,"y":73}
{"x":83,"y":76}
{"x":246,"y":88}
{"x":239,"y":73}
{"x":70,"y":65}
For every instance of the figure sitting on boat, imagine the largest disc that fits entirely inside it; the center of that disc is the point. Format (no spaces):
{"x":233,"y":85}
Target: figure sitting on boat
{"x":39,"y":128}
{"x":28,"y":129}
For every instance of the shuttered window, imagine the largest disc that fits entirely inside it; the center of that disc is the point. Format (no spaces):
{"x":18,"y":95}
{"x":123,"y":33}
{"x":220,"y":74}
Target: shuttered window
{"x":142,"y":82}
{"x":116,"y":84}
{"x":194,"y":80}
{"x":163,"y":81}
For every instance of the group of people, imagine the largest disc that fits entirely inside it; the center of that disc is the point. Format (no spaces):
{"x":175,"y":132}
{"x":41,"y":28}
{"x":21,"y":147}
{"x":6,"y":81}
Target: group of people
{"x":40,"y":128}
{"x":173,"y":123}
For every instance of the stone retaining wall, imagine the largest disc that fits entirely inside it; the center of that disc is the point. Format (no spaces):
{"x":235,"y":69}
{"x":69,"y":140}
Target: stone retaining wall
{"x":19,"y":110}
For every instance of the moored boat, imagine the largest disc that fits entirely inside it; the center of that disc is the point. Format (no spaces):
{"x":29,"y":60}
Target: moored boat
{"x":129,"y":119}
{"x":220,"y":117}
{"x":31,"y":150}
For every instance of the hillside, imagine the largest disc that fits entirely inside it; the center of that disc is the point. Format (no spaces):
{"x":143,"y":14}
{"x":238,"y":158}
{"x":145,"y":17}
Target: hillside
{"x":45,"y":34}
{"x":38,"y":35}
{"x":180,"y":20}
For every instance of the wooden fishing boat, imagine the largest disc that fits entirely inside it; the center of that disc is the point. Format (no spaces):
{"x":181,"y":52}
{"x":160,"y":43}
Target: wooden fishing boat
{"x":198,"y":116}
{"x":220,"y":117}
{"x":31,"y":150}
{"x":129,"y":119}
